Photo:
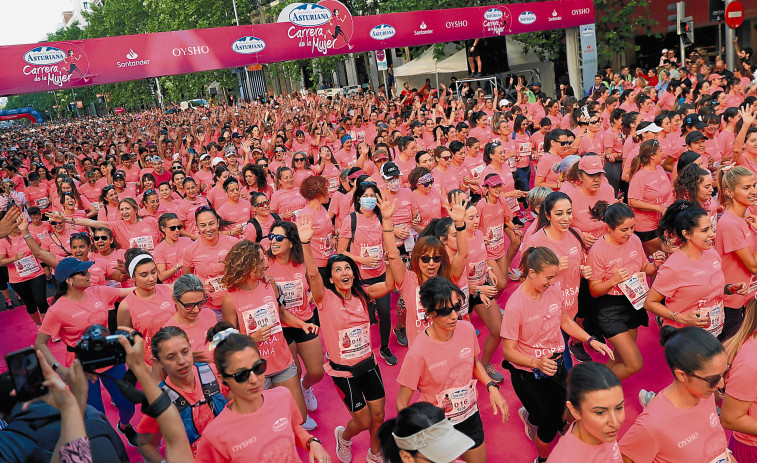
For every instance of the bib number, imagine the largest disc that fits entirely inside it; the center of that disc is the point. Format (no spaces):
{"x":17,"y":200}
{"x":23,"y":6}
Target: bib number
{"x":216,"y":285}
{"x":293,"y":292}
{"x":354,"y":342}
{"x":495,"y":237}
{"x":142,"y":242}
{"x":458,"y":403}
{"x":262,"y":317}
{"x":27,"y":266}
{"x":42,"y":203}
{"x":635,"y":289}
{"x":717,"y":317}
{"x":371,"y":251}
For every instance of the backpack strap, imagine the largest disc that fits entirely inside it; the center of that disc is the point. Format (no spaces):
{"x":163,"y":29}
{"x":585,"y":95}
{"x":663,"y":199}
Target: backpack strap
{"x":208,"y":381}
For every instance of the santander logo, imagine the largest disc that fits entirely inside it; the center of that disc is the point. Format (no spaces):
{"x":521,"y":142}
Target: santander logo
{"x":382,"y":32}
{"x":132,"y":54}
{"x":310,"y":15}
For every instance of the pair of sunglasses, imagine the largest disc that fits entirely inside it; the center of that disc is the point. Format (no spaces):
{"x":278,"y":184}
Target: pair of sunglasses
{"x":176,"y":227}
{"x":446,"y":311}
{"x":100,"y":238}
{"x":262,"y":203}
{"x":193,"y":305}
{"x":427,"y":259}
{"x":243,"y":375}
{"x":277,"y":238}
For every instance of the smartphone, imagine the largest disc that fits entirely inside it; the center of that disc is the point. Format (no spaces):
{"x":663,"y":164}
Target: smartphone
{"x":26,"y":373}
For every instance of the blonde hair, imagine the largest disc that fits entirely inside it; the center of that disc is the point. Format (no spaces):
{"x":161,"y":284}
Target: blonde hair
{"x":748,"y":329}
{"x":728,"y":179}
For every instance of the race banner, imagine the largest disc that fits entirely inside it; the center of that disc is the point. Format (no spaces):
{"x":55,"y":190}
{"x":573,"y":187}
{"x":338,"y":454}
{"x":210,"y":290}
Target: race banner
{"x":304,"y":30}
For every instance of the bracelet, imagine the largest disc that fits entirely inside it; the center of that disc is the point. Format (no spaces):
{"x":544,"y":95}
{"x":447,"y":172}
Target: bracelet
{"x":461,"y":228}
{"x":490,"y":384}
{"x":311,"y":440}
{"x":305,"y":242}
{"x":158,"y":406}
{"x":531,"y":363}
{"x":388,"y":231}
{"x":28,"y":235}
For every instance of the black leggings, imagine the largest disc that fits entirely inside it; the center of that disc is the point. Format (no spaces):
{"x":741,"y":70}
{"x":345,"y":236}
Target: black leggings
{"x":544,"y":399}
{"x":382,"y":306}
{"x":33,"y":293}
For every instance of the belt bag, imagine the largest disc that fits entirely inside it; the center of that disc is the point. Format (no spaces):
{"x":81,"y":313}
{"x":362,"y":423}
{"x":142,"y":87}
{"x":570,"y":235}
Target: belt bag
{"x":359,"y":369}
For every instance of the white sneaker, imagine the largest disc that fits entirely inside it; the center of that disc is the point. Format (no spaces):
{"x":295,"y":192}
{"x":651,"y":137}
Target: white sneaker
{"x":371,"y":458}
{"x":530,"y":429}
{"x":311,"y":403}
{"x":309,"y":424}
{"x":343,"y":447}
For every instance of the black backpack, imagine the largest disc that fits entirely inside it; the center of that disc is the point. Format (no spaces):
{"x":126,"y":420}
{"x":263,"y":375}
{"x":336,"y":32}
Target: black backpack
{"x":258,"y":229}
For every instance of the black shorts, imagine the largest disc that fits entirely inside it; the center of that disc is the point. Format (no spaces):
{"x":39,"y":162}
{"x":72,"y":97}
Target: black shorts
{"x":4,"y":277}
{"x":616,"y":315}
{"x":356,"y":392}
{"x":473,"y":427}
{"x":647,"y":235}
{"x":585,"y":301}
{"x":544,"y":399}
{"x":297,"y":335}
{"x":473,"y":301}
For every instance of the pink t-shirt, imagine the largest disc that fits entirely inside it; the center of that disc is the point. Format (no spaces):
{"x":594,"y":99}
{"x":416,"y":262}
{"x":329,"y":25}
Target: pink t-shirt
{"x":535,"y":324}
{"x":592,"y":145}
{"x":405,"y":167}
{"x":663,"y":433}
{"x":523,"y":149}
{"x":544,"y":168}
{"x":293,"y":284}
{"x":58,"y":245}
{"x":69,"y":319}
{"x":300,"y":175}
{"x":284,"y":201}
{"x":322,"y":242}
{"x":265,"y":436}
{"x":493,"y":226}
{"x":171,"y":255}
{"x":653,"y":187}
{"x":216,"y":197}
{"x":368,"y":242}
{"x":151,"y":314}
{"x":250,"y":233}
{"x":144,"y":234}
{"x":428,"y":206}
{"x":582,"y":219}
{"x":198,"y":331}
{"x":445,"y":181}
{"x":570,"y":278}
{"x":433,"y":368}
{"x":207,"y":262}
{"x":253,"y":307}
{"x":186,"y":213}
{"x":416,"y":320}
{"x":476,"y":259}
{"x":570,"y":449}
{"x":24,"y":269}
{"x":734,"y":233}
{"x":690,"y":284}
{"x":240,"y":212}
{"x":605,"y":257}
{"x":346,"y":331}
{"x":741,"y":384}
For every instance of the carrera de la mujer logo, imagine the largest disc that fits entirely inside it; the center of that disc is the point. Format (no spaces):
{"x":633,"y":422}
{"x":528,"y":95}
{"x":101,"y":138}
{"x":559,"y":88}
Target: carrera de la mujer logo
{"x":56,"y":65}
{"x":322,"y":27}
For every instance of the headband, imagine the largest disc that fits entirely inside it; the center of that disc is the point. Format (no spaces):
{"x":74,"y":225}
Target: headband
{"x":220,"y":337}
{"x":425,"y":437}
{"x":133,"y":264}
{"x":426,"y":178}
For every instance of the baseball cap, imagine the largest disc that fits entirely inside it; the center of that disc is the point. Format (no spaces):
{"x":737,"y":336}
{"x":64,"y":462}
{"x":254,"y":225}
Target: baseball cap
{"x":591,"y":165}
{"x":664,"y":50}
{"x":536,"y":84}
{"x":69,"y":266}
{"x":694,"y":136}
{"x":216,"y":160}
{"x":389,"y":170}
{"x":119,"y":175}
{"x":493,"y":180}
{"x":155,"y":159}
{"x":504,"y":102}
{"x":204,"y":156}
{"x":647,"y":127}
{"x":236,"y":135}
{"x":439,"y":442}
{"x":379,"y":155}
{"x":694,"y":120}
{"x":714,"y":76}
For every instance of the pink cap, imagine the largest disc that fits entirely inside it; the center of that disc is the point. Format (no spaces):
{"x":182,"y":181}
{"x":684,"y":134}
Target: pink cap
{"x":494,"y":180}
{"x":714,"y":76}
{"x":591,"y":165}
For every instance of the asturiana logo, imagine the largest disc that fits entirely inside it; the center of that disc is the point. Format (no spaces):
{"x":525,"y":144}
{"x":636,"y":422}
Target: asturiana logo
{"x":493,"y":14}
{"x":383,"y":32}
{"x":248,"y":45}
{"x":310,"y":15}
{"x":527,"y":17}
{"x":44,"y":56}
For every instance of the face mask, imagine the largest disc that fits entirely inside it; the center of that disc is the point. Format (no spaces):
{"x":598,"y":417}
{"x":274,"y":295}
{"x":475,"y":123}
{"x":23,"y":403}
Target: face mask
{"x":394,"y":184}
{"x":368,"y":204}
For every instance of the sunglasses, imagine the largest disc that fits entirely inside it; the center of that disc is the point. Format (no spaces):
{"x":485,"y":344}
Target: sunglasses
{"x":446,"y":158}
{"x":427,"y":259}
{"x":299,"y":160}
{"x":262,"y":203}
{"x":427,"y":184}
{"x":594,"y":121}
{"x":100,"y":237}
{"x":53,"y":223}
{"x":175,"y":227}
{"x":193,"y":305}
{"x":564,"y":143}
{"x":446,"y":311}
{"x":277,"y":238}
{"x":242,"y":376}
{"x":713,"y":381}
{"x":265,"y":164}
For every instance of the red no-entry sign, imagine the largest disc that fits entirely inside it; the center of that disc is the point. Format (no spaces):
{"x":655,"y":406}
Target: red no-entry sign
{"x":734,"y":14}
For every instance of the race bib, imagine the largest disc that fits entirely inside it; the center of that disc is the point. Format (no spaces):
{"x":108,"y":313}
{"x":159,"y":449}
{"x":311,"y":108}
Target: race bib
{"x":371,"y":251}
{"x":293,"y":292}
{"x":635,"y":289}
{"x":513,"y":203}
{"x":326,"y":245}
{"x":333,"y":184}
{"x":262,"y":317}
{"x":458,"y":403}
{"x":215,"y":284}
{"x":476,"y":272}
{"x":27,"y":266}
{"x":524,"y":150}
{"x":409,"y":242}
{"x":540,"y":149}
{"x":465,"y":303}
{"x":142,"y":242}
{"x":355,"y":342}
{"x":476,"y":171}
{"x":714,"y":221}
{"x":722,"y":458}
{"x":716,"y":314}
{"x":495,"y":237}
{"x":42,"y":203}
{"x":752,"y":285}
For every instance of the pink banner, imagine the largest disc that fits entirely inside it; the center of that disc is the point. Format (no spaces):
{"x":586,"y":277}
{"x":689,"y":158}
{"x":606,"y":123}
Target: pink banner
{"x":304,"y":30}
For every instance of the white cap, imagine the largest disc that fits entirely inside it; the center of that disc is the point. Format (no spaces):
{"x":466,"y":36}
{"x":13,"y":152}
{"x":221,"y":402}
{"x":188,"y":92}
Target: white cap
{"x":504,"y":102}
{"x":216,"y":160}
{"x":664,"y":50}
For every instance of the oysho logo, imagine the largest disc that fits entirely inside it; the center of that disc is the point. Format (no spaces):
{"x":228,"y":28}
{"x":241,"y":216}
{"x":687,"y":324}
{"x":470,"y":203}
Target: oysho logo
{"x":554,"y":16}
{"x":132,"y":57}
{"x":310,"y":15}
{"x":493,"y":14}
{"x":43,"y":56}
{"x":189,"y":51}
{"x":382,"y":32}
{"x":456,"y":24}
{"x":248,"y":45}
{"x":527,"y":17}
{"x":424,"y":30}
{"x":580,"y":11}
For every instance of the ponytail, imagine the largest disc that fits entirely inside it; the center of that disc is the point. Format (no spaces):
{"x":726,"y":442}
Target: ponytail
{"x":537,"y":258}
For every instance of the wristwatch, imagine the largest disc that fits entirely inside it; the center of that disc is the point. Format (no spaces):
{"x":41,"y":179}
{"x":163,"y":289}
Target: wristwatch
{"x":311,"y":440}
{"x":55,"y":366}
{"x":491,"y":383}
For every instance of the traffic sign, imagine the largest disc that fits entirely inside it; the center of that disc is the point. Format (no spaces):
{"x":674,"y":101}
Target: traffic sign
{"x":381,"y":60}
{"x":734,"y":14}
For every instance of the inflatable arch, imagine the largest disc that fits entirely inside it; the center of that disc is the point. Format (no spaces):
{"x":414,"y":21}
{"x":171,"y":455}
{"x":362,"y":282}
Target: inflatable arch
{"x":22,"y":113}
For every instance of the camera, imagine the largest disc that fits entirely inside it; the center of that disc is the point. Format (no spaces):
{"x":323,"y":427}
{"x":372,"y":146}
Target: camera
{"x":97,"y":348}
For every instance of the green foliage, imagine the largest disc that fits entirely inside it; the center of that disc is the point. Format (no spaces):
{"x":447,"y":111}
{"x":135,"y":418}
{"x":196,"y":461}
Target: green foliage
{"x":618,"y":21}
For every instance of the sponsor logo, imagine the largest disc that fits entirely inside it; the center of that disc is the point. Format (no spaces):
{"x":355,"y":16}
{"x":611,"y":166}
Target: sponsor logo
{"x":465,"y":352}
{"x":580,"y":11}
{"x":527,"y":17}
{"x":248,"y":45}
{"x":423,"y":29}
{"x":456,"y":24}
{"x":688,"y":440}
{"x":44,"y":56}
{"x":554,"y":16}
{"x":310,"y":15}
{"x":493,"y":14}
{"x":437,"y":364}
{"x":189,"y":51}
{"x":554,"y":307}
{"x":588,"y":32}
{"x":382,"y":32}
{"x":133,"y":61}
{"x":244,"y":444}
{"x":280,"y":424}
{"x":714,"y":420}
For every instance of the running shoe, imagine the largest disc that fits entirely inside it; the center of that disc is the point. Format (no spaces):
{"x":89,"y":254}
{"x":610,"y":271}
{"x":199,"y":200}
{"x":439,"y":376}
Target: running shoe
{"x":513,"y":274}
{"x":387,"y":355}
{"x":645,"y":397}
{"x":131,"y":435}
{"x":371,"y":458}
{"x":343,"y":447}
{"x":309,"y":424}
{"x":494,"y":374}
{"x":401,"y":334}
{"x":529,"y":428}
{"x":579,"y":352}
{"x":311,"y":403}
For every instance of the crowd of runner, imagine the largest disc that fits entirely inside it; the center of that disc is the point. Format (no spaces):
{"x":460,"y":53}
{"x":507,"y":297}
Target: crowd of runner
{"x":243,"y":243}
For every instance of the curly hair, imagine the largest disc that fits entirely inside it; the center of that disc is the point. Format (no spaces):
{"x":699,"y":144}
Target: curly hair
{"x":313,"y":187}
{"x":243,"y":259}
{"x":415,"y":175}
{"x":687,"y":184}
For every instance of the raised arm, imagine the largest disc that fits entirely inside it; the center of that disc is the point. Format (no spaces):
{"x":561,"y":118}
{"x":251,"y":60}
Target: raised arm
{"x":396,"y":267}
{"x":305,"y":230}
